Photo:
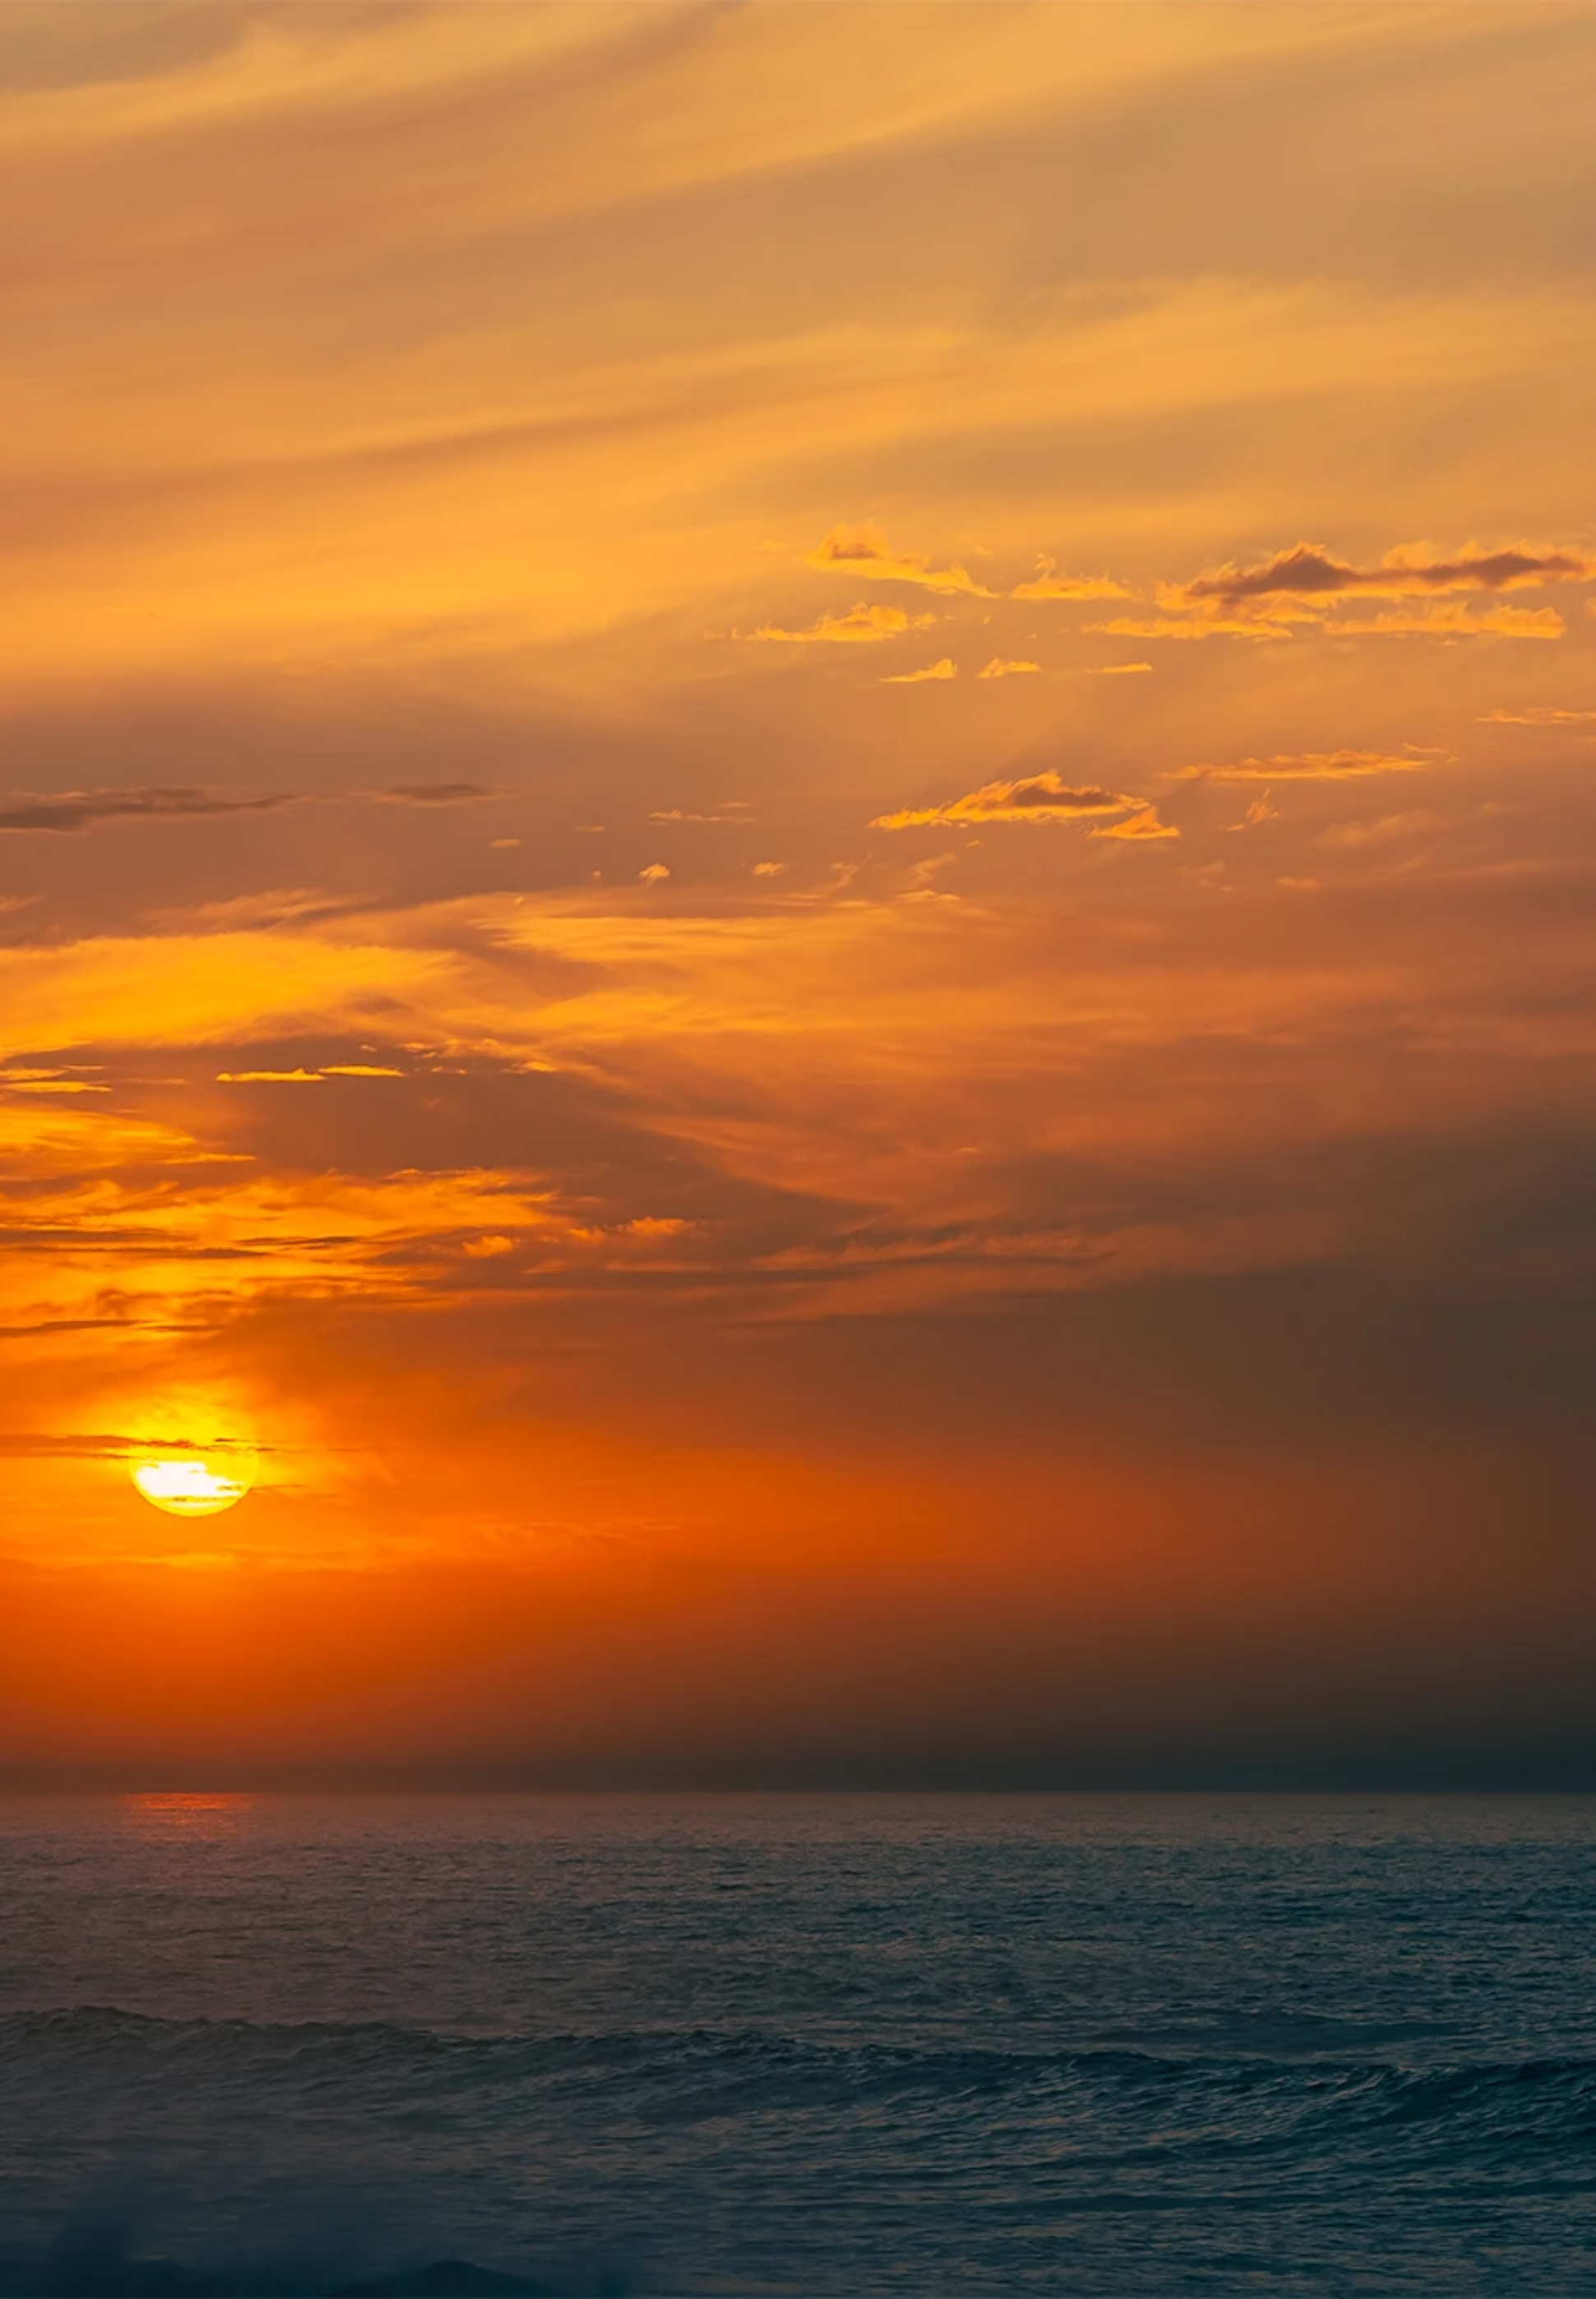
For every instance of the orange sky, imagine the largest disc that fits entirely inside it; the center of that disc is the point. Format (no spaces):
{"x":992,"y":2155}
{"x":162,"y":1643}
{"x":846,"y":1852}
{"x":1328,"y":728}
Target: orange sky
{"x":797,"y":866}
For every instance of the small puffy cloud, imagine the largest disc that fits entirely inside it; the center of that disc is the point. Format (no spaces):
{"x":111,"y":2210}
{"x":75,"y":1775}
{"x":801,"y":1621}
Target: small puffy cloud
{"x":500,"y":845}
{"x":1034,"y":798}
{"x":865,"y":550}
{"x":654,"y":874}
{"x":1047,"y":583}
{"x":998,"y":669}
{"x":1306,"y":767}
{"x":1259,"y":811}
{"x":1539,"y":714}
{"x":862,"y":626}
{"x":1144,"y":824}
{"x":769,"y":869}
{"x":945,"y":669}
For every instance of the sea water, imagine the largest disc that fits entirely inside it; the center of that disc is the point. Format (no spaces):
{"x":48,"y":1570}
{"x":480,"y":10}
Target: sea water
{"x":797,"y":2045}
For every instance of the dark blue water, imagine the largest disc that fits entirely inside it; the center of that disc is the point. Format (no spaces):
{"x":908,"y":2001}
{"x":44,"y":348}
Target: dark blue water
{"x":835,"y":2045}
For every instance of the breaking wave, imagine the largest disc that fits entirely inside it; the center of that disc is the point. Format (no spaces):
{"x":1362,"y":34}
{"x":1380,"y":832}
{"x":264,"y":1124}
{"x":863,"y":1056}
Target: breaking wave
{"x":1134,"y":2123}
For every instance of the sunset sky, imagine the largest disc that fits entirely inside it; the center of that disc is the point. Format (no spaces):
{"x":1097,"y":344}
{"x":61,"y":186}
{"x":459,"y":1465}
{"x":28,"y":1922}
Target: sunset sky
{"x":796,"y":871}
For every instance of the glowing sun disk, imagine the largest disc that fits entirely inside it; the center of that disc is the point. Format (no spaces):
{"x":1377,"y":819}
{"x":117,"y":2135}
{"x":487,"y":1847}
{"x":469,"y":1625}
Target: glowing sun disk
{"x":189,"y":1485}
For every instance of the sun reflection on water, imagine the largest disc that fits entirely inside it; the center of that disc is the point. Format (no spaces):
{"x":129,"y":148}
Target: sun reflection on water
{"x":183,"y":1813}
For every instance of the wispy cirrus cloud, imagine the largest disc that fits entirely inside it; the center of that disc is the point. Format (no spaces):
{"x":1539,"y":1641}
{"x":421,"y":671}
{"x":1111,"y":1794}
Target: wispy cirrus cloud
{"x":1384,"y":830}
{"x":865,"y":550}
{"x":861,"y":626}
{"x":1538,"y":714}
{"x":1457,"y":622}
{"x":1032,"y":798}
{"x":998,"y":669}
{"x":1048,"y":583}
{"x":945,"y":668}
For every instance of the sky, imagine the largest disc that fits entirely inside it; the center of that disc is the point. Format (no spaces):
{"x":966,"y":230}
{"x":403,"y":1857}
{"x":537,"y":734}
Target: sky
{"x":797,"y":850}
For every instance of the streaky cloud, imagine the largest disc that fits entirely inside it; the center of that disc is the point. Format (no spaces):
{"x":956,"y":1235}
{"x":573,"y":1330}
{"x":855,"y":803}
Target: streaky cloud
{"x":1306,"y":765}
{"x":65,"y":812}
{"x":1308,"y":569}
{"x":73,"y":810}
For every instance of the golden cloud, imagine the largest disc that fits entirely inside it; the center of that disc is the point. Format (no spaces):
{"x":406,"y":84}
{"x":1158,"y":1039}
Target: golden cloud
{"x":200,"y":988}
{"x":862,"y":626}
{"x":1034,"y":798}
{"x":1204,"y":627}
{"x":945,"y":669}
{"x":1142,"y":825}
{"x":307,"y":1077}
{"x":268,"y":1077}
{"x":998,"y":669}
{"x":865,"y":550}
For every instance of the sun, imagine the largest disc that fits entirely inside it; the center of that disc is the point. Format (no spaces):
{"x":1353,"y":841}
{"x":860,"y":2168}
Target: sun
{"x":194,"y":1480}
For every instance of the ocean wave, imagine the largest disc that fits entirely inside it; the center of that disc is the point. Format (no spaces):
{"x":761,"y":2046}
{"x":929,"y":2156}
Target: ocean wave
{"x":707,"y":2070}
{"x":399,"y":2159}
{"x":98,"y":2264}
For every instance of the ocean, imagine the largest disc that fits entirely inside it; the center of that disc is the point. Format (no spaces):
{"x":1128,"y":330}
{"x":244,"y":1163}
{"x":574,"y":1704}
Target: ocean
{"x":795,"y":2044}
